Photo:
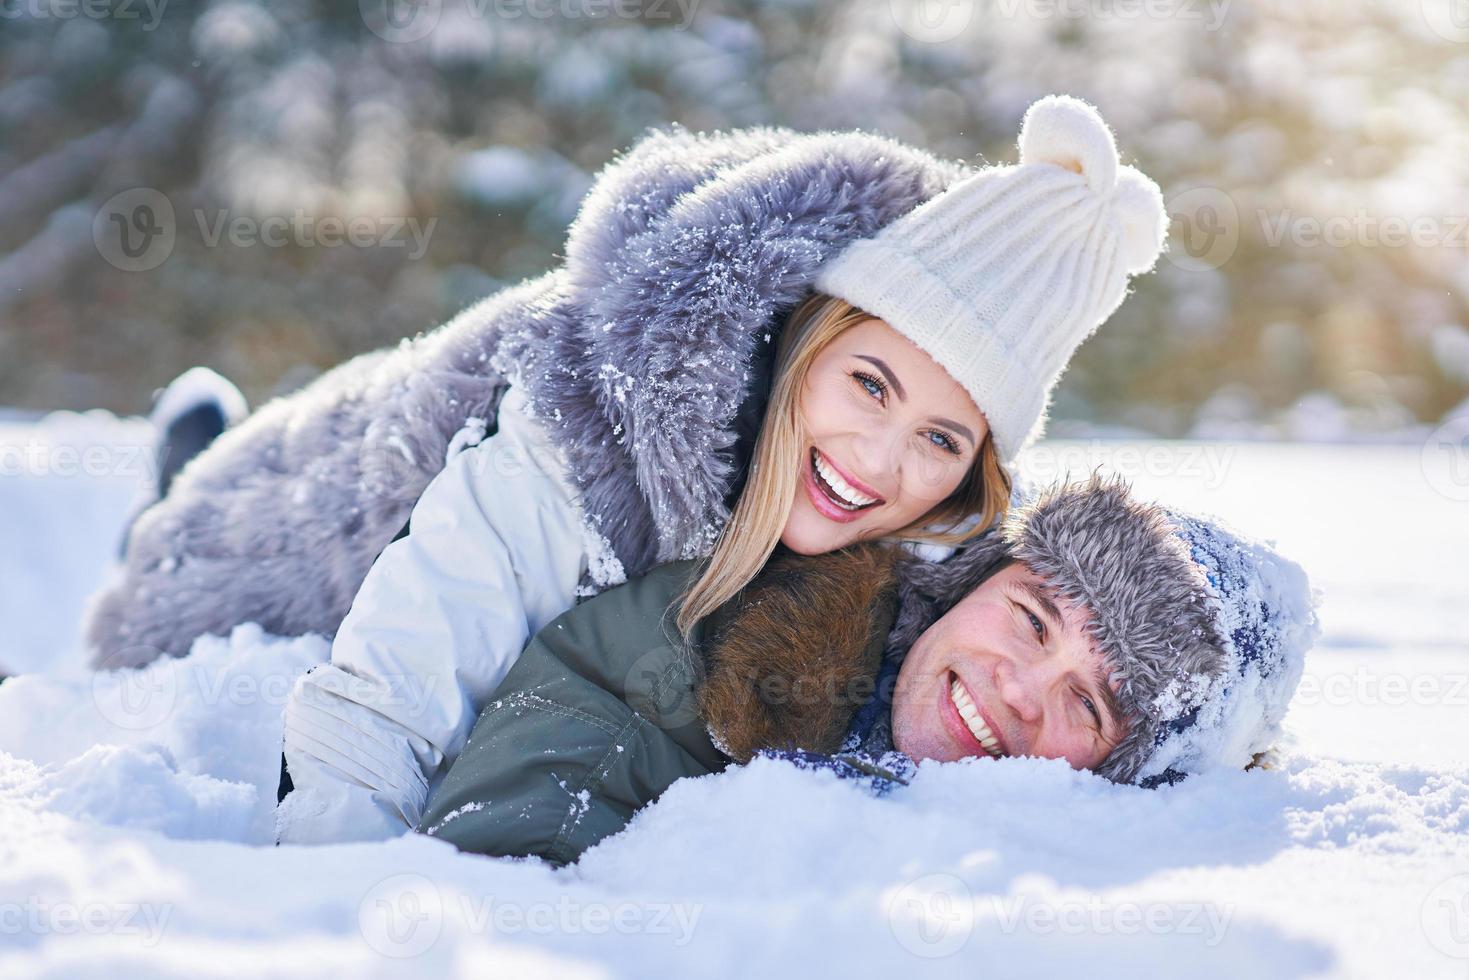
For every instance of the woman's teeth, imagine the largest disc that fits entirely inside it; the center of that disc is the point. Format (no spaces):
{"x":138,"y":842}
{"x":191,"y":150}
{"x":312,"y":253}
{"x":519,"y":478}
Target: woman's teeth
{"x":972,"y":718}
{"x":842,"y":493}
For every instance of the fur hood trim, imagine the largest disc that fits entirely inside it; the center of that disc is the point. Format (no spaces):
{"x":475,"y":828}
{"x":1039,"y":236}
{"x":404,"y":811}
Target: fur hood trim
{"x":790,"y":658}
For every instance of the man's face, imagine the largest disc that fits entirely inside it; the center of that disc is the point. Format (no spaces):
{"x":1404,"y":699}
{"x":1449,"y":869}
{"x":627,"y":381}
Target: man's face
{"x":1008,"y":671}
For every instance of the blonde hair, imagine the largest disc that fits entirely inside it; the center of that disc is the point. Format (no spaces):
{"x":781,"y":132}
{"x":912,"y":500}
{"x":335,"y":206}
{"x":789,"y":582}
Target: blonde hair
{"x":764,"y":505}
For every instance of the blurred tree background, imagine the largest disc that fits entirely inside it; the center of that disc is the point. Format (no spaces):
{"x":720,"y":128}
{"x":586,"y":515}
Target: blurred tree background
{"x":483,"y":122}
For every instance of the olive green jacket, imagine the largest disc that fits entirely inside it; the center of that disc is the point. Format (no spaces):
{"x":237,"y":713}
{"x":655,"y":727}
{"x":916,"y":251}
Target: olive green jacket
{"x":596,"y":719}
{"x":601,"y":713}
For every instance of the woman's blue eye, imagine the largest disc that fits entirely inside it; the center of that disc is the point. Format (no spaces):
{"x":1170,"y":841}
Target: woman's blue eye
{"x":944,"y":441}
{"x":875,"y":387}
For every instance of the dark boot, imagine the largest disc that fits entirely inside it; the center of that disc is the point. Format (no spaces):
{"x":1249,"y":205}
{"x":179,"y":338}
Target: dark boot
{"x":188,"y":415}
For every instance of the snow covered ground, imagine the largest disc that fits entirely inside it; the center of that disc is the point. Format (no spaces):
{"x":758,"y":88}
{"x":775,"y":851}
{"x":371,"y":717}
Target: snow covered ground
{"x":136,"y":806}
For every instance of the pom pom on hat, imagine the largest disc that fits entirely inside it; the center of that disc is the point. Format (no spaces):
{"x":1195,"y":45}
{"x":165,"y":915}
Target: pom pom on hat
{"x":1003,"y":274}
{"x":1144,"y":220}
{"x":1067,"y":132}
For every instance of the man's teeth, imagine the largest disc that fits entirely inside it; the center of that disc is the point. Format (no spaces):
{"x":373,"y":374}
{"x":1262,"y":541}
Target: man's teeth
{"x":973,"y":719}
{"x":841,"y":487}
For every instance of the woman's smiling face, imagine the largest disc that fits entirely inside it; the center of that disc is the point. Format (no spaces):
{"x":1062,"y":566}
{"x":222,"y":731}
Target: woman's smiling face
{"x":890,"y":435}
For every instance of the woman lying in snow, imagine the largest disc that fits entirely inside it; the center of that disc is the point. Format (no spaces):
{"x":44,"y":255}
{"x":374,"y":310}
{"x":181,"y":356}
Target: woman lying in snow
{"x":907,"y":316}
{"x":1126,"y":639}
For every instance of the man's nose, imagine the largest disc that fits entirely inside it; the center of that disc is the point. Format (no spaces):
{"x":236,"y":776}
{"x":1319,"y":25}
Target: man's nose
{"x":1021,"y":683}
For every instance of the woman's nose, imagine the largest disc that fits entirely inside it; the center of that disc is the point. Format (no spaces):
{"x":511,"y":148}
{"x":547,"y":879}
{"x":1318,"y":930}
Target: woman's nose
{"x":876,"y":464}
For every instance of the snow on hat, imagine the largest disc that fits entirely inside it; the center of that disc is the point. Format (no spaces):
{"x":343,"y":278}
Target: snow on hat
{"x":1205,"y":630}
{"x":1000,"y":277}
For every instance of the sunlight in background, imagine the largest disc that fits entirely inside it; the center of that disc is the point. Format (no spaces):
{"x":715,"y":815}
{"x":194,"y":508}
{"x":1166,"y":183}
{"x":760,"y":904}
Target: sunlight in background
{"x":1311,"y":153}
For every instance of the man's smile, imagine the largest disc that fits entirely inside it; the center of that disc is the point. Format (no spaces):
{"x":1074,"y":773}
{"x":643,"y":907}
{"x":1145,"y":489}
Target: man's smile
{"x":964,"y":719}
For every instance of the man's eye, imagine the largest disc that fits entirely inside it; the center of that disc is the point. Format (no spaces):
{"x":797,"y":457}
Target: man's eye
{"x":1096,"y":717}
{"x":1035,"y":624}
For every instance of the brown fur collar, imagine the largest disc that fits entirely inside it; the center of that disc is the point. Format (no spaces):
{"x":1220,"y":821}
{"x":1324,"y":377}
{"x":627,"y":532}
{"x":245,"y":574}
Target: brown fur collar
{"x":789,"y":659}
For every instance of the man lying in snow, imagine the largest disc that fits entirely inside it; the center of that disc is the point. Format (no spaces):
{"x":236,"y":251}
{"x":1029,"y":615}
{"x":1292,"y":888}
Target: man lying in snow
{"x":1120,"y":636}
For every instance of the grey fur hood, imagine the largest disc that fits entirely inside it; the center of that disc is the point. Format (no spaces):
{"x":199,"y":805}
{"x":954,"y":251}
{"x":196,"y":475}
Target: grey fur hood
{"x":642,"y":353}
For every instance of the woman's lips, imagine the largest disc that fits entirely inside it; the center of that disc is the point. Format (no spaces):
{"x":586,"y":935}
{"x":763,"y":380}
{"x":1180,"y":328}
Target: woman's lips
{"x":826,"y":499}
{"x":851,"y":480}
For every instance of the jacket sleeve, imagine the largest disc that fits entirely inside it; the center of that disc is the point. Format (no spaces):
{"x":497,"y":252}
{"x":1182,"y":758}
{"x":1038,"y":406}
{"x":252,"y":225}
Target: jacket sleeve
{"x":560,"y":759}
{"x":494,"y":551}
{"x":506,"y":801}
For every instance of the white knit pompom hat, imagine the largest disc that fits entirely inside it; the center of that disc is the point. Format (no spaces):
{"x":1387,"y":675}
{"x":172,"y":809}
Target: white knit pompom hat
{"x":1002,"y":275}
